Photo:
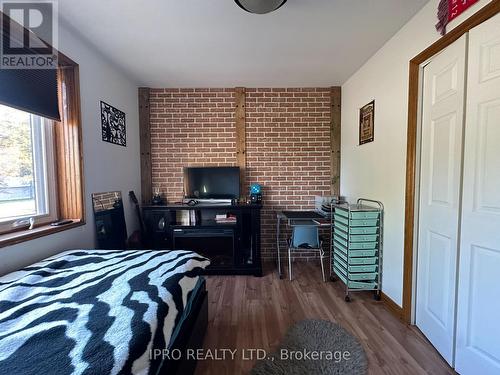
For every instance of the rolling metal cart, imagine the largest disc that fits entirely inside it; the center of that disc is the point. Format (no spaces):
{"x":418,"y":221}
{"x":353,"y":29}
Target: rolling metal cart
{"x":356,"y":246}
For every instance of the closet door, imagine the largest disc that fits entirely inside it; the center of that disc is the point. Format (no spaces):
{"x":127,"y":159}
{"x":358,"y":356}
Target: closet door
{"x":440,"y":181}
{"x":478,"y":317}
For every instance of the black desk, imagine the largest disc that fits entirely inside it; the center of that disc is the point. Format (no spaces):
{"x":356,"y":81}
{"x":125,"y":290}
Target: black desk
{"x":297,"y":215}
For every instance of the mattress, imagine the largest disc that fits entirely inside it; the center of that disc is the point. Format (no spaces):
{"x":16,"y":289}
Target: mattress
{"x":95,"y":311}
{"x":187,"y":309}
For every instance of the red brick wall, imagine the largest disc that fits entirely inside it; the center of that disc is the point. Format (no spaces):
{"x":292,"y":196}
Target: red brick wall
{"x":288,"y":143}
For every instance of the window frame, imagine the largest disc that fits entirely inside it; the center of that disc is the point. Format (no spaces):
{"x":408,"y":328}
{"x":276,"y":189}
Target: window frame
{"x":68,"y":155}
{"x":42,"y":140}
{"x":50,"y":184}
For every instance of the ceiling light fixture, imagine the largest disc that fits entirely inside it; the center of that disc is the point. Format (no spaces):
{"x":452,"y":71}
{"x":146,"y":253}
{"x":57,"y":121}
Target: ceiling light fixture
{"x":260,"y":6}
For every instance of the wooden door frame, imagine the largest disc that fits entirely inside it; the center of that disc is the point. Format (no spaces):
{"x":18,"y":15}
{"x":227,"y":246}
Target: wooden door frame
{"x":487,"y":12}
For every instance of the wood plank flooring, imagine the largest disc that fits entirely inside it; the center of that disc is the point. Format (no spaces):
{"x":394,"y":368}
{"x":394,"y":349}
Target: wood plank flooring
{"x":248,"y":312}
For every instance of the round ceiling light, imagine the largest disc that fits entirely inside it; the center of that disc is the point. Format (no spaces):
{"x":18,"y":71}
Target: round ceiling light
{"x":260,"y":6}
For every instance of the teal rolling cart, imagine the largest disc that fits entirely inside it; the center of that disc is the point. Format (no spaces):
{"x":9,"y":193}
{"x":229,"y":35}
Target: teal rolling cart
{"x":356,"y":246}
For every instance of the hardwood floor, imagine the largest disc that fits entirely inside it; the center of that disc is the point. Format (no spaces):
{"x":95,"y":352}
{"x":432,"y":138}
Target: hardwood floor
{"x":248,"y":312}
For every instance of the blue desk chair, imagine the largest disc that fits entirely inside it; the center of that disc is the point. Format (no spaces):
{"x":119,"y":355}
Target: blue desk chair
{"x":305,"y":238}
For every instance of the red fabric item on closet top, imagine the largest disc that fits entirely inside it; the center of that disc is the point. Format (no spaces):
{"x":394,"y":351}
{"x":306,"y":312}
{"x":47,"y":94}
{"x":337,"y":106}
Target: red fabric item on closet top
{"x":457,"y":7}
{"x":449,"y":10}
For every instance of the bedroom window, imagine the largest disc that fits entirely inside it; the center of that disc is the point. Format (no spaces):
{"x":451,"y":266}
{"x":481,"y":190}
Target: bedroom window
{"x":41,"y":162}
{"x":41,"y":159}
{"x":27,"y":179}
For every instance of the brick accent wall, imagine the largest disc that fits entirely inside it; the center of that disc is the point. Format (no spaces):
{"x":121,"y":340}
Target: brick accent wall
{"x":288,"y":143}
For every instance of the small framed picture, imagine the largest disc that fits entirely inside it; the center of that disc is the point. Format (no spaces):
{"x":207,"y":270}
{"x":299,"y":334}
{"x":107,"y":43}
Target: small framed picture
{"x":366,"y":123}
{"x":113,"y":125}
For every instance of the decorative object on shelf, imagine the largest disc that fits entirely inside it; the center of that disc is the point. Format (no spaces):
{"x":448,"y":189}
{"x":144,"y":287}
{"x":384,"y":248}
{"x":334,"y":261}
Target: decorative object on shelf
{"x":366,"y":123}
{"x":182,"y":217}
{"x":118,"y":200}
{"x":256,"y":193}
{"x":113,"y":125}
{"x":448,"y":10}
{"x":157,"y":199}
{"x":260,"y":6}
{"x":323,"y":203}
{"x":226,"y":219}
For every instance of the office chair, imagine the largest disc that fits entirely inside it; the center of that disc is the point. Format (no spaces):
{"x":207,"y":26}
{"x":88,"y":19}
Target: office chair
{"x":305,"y":238}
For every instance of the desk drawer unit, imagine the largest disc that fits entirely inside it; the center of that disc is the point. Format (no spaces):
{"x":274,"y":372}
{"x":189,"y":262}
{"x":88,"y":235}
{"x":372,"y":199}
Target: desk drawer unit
{"x":356,"y":253}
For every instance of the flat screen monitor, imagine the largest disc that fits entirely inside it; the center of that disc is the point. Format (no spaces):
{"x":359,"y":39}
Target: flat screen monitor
{"x":212,"y":182}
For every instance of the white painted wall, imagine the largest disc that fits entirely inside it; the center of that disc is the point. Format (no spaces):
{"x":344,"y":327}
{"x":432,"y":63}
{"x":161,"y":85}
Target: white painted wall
{"x":106,"y":166}
{"x":377,"y":170}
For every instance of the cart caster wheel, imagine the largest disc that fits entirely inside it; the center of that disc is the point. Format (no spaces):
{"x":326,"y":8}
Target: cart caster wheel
{"x":333,"y":279}
{"x":376,"y":297}
{"x":282,"y":277}
{"x":347,"y":299}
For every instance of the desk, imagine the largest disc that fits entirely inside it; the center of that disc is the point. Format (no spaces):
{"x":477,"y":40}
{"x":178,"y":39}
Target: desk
{"x":297,"y":218}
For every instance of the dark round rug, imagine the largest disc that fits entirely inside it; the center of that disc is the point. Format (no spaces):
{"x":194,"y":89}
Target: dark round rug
{"x":315,"y":347}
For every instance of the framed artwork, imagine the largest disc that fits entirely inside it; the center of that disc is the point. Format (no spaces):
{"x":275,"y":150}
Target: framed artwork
{"x":113,"y":125}
{"x":366,"y":122}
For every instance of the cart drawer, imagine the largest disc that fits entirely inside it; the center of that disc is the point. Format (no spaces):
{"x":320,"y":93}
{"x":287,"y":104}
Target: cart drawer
{"x":340,"y":219}
{"x":341,"y":226}
{"x":355,"y":223}
{"x":362,"y":253}
{"x":363,"y":230}
{"x":356,"y":237}
{"x":370,"y":276}
{"x":357,"y":261}
{"x":364,"y":223}
{"x":356,"y":230}
{"x":360,"y":272}
{"x":340,"y":233}
{"x":340,"y":246}
{"x":357,"y":215}
{"x":338,"y":253}
{"x":357,"y":256}
{"x":355,"y":284}
{"x":362,"y":285}
{"x":363,"y":268}
{"x":341,"y":274}
{"x":364,"y":237}
{"x":355,"y":245}
{"x":338,"y":262}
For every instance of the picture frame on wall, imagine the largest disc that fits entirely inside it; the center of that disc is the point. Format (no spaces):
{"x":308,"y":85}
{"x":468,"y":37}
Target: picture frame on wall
{"x":366,"y":123}
{"x":113,"y":125}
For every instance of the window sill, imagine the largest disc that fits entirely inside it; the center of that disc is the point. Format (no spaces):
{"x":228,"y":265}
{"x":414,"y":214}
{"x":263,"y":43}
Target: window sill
{"x":13,"y":238}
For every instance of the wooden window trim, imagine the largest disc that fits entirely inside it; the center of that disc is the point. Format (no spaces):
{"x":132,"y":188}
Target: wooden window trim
{"x":241,"y":138}
{"x":68,"y":159}
{"x":487,"y":12}
{"x":335,"y":138}
{"x":145,"y":144}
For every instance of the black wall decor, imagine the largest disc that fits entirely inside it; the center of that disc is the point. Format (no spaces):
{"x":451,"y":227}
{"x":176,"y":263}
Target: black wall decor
{"x":113,"y":125}
{"x":366,"y":123}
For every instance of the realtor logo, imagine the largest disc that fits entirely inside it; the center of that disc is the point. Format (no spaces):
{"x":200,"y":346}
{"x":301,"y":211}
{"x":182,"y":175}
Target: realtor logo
{"x":29,"y":35}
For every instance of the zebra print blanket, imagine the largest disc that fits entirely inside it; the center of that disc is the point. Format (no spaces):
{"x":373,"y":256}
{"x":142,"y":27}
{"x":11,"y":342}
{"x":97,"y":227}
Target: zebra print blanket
{"x":94,"y":311}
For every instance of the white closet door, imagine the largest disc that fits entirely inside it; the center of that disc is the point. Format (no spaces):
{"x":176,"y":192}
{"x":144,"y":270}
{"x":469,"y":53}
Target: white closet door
{"x":440,"y":180}
{"x":478,"y":318}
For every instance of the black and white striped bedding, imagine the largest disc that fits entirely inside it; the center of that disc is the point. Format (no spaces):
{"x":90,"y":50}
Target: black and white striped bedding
{"x":94,"y":311}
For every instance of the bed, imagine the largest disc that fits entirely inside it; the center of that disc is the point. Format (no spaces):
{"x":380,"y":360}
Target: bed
{"x":103,"y":312}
